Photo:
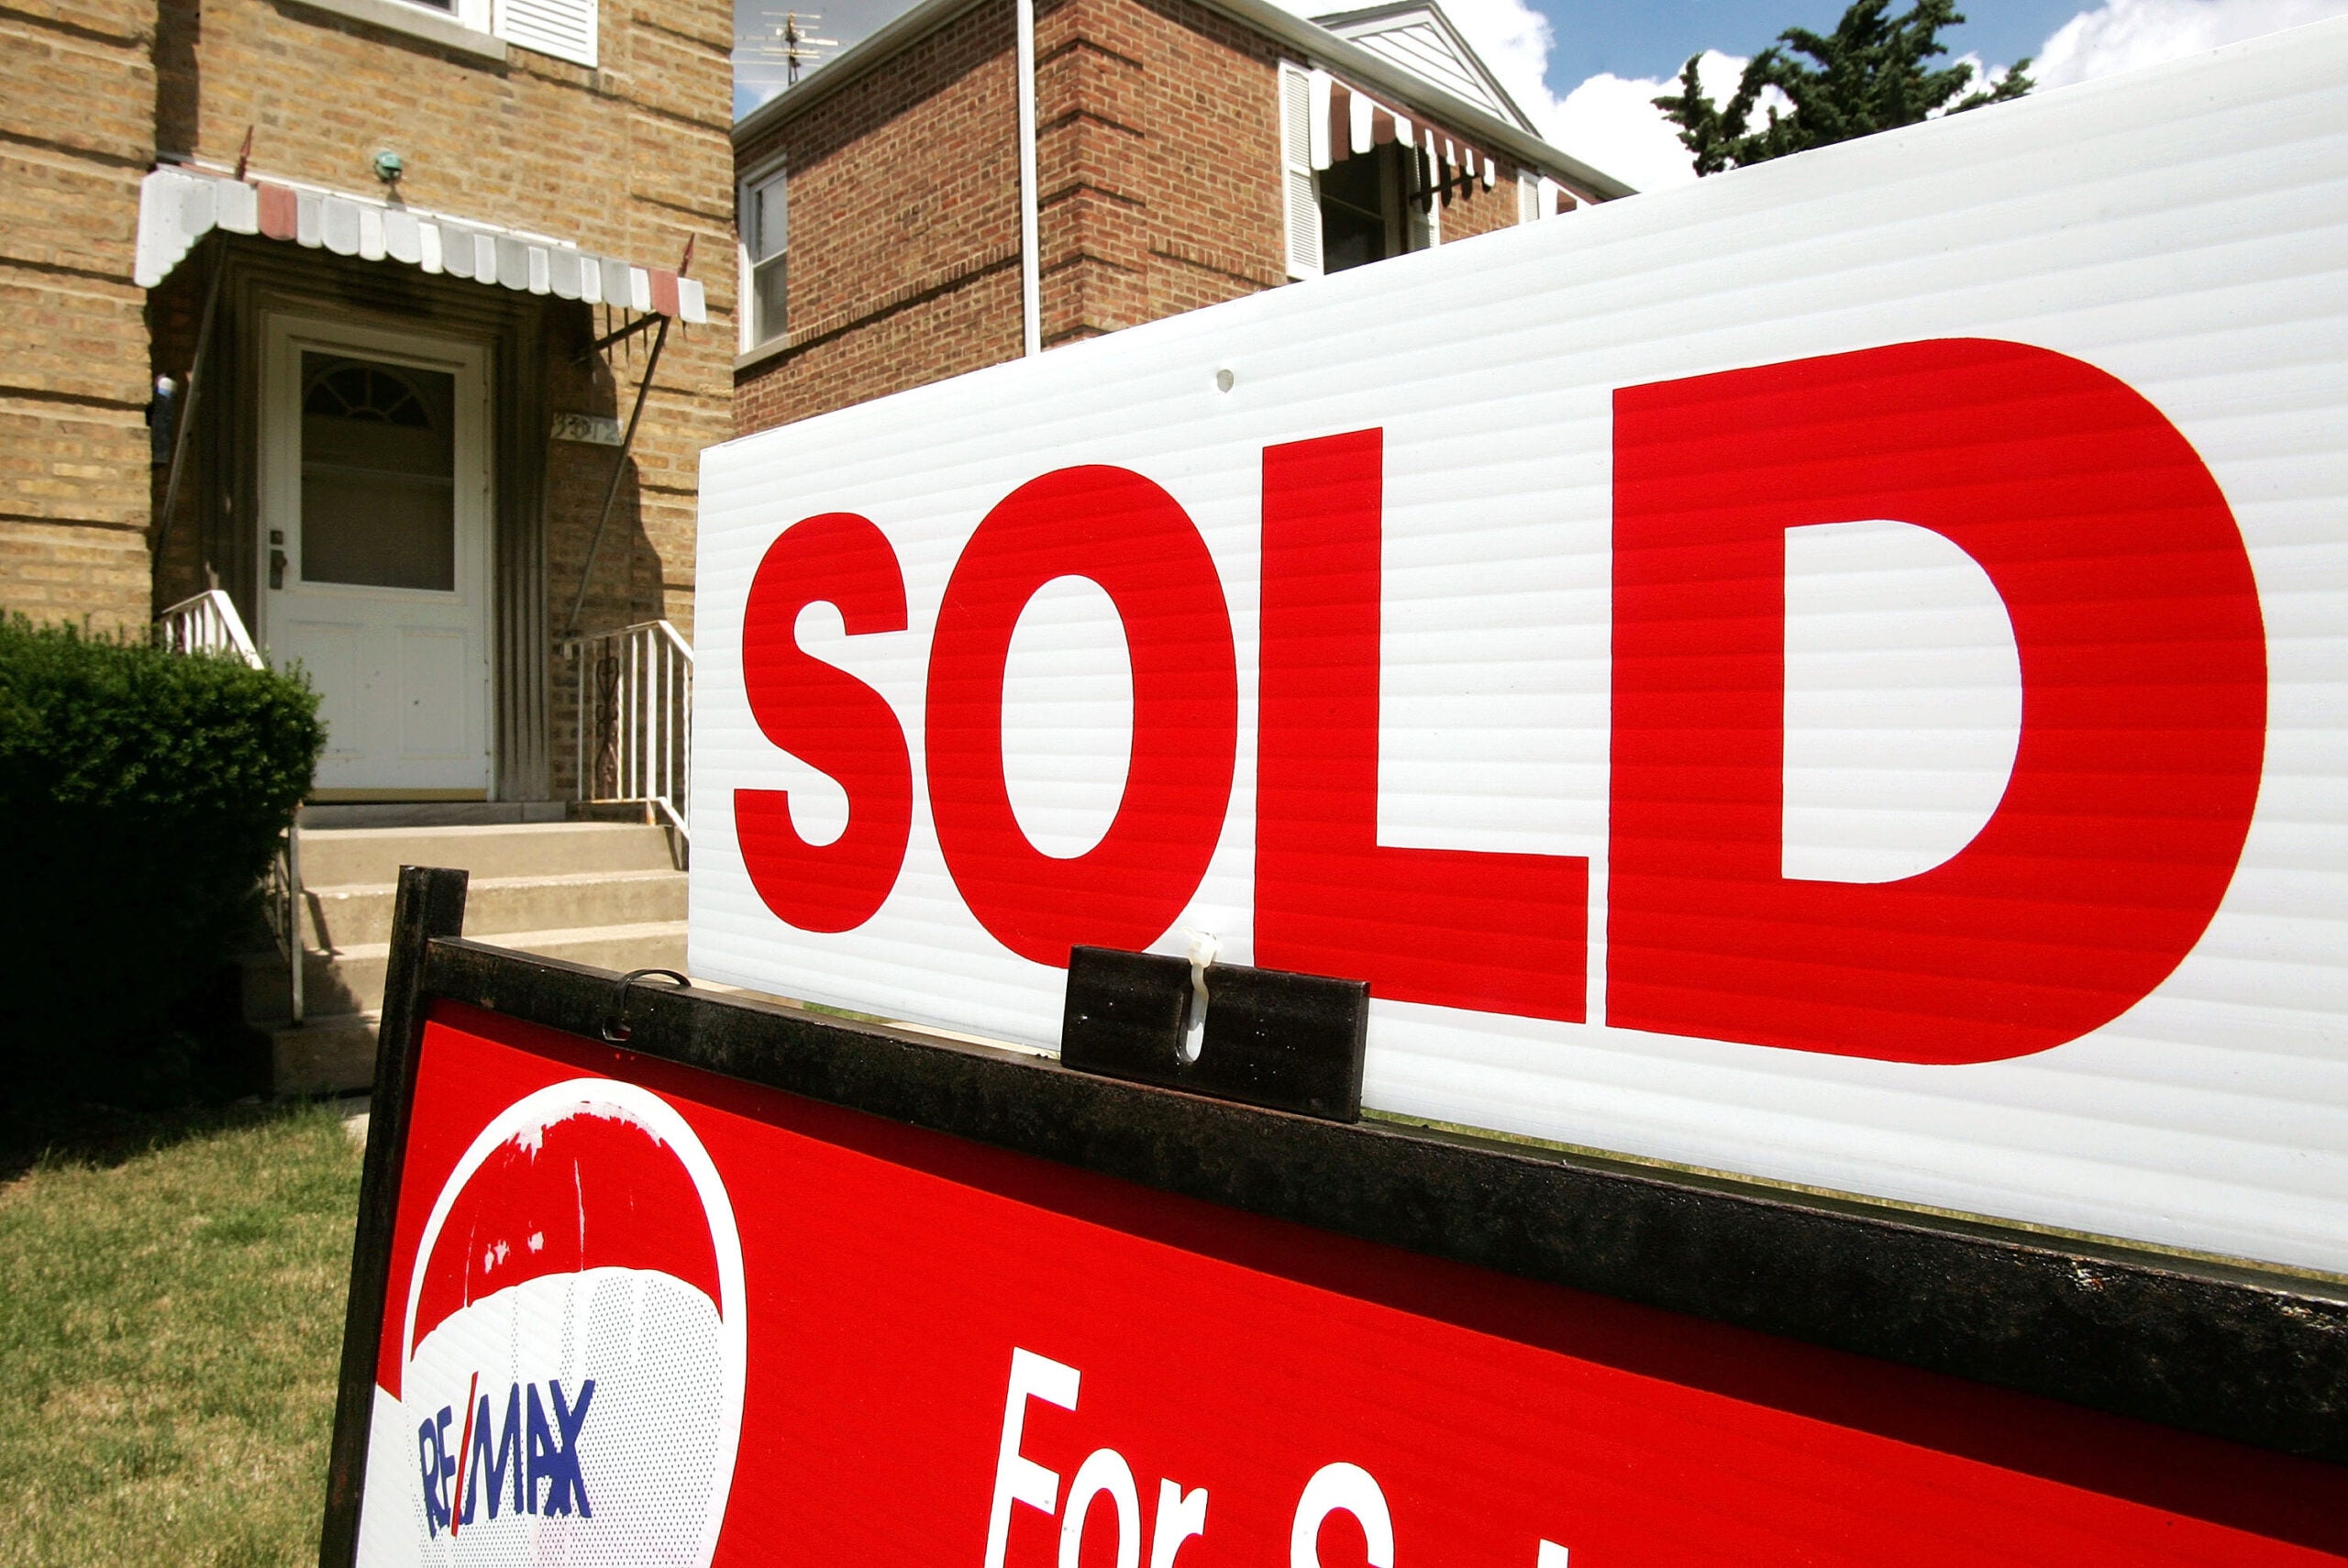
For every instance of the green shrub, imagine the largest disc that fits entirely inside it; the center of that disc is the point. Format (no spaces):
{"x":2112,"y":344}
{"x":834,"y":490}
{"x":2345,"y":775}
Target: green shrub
{"x":144,"y":792}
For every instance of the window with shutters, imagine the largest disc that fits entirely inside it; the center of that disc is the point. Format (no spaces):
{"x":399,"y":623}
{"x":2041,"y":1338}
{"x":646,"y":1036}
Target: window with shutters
{"x":1372,"y":196}
{"x":765,"y":220}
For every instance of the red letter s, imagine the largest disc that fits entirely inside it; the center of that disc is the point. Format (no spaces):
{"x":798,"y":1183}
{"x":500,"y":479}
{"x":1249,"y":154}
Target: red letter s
{"x":2144,"y":676}
{"x":830,"y":721}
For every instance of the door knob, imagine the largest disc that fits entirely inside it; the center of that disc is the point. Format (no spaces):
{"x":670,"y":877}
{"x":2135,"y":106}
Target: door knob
{"x":277,"y":569}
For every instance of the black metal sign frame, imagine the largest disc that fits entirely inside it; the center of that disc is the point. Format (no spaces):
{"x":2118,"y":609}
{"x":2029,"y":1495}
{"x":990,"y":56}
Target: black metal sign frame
{"x":2234,"y":1352}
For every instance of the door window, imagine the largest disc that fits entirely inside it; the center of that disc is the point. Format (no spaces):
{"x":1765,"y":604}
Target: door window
{"x":378,"y":470}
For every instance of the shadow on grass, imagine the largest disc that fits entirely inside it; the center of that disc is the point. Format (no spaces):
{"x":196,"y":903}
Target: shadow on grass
{"x":44,"y":1129}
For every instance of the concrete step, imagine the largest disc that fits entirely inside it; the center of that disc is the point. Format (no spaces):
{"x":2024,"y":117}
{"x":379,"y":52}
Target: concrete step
{"x":434,"y":814}
{"x":352,"y":981}
{"x":339,"y":918}
{"x":325,"y":1056}
{"x":372,"y":856}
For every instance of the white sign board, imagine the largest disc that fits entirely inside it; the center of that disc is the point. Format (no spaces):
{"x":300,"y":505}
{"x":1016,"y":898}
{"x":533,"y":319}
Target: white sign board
{"x":1838,"y":673}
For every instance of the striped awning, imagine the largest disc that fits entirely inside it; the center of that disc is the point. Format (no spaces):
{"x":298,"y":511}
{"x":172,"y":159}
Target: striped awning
{"x":179,"y":206}
{"x":1347,"y":121}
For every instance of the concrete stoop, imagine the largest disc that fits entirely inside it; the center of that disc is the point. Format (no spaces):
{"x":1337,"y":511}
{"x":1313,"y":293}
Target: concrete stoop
{"x":594,"y":893}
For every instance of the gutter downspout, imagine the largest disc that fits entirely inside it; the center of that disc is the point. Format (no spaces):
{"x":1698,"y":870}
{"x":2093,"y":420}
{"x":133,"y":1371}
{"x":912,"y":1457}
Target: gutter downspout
{"x":1031,"y":292}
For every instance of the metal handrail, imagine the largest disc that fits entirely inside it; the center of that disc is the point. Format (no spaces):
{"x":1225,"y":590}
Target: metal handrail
{"x":208,"y":623}
{"x":282,"y":888}
{"x":636,"y":697}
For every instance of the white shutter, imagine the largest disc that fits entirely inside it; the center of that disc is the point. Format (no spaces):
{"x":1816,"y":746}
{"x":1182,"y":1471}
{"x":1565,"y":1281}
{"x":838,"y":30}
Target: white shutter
{"x":564,"y":28}
{"x":1528,"y":196}
{"x":1300,"y":205}
{"x":1322,"y":91}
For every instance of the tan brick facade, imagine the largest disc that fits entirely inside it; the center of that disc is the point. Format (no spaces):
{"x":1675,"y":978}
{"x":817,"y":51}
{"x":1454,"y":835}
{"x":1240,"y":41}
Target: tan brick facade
{"x":1158,"y":191}
{"x":77,"y":95}
{"x":629,"y":159}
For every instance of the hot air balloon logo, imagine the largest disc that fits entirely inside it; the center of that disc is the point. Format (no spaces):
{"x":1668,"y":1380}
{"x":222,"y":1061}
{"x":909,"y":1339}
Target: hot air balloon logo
{"x":574,"y":1349}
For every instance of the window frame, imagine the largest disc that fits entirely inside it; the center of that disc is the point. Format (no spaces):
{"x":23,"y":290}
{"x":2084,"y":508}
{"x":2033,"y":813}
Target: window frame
{"x":463,"y":27}
{"x":765,"y":173}
{"x":1406,"y":229}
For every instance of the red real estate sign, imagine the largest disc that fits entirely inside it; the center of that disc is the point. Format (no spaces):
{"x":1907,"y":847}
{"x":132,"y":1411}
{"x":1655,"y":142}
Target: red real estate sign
{"x":637,"y":1312}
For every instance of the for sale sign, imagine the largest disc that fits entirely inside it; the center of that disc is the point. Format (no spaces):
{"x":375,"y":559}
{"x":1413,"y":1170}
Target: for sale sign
{"x":638,"y":1314}
{"x":1831,"y":673}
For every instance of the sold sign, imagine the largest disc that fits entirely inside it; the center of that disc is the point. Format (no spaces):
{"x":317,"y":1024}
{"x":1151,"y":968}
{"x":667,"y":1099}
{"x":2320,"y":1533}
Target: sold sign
{"x":2134,"y":614}
{"x":1831,"y":673}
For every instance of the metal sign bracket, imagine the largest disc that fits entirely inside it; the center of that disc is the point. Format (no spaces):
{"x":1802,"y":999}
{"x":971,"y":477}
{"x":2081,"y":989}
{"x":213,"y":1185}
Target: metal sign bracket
{"x":1286,"y":1042}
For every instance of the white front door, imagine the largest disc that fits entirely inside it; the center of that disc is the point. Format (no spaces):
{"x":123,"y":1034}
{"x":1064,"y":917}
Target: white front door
{"x":375,"y":550}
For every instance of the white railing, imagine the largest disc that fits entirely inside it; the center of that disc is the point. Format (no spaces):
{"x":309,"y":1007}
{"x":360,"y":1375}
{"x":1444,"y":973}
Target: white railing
{"x":636,"y":703}
{"x":207,"y":623}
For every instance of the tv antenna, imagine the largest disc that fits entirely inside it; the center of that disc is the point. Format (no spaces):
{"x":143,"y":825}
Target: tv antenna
{"x":784,"y":48}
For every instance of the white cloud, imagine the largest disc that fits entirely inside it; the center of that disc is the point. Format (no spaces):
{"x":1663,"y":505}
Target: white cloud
{"x":2126,"y":34}
{"x":1610,"y":122}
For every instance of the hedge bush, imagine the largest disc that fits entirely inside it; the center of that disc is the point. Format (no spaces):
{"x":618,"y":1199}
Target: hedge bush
{"x":145,"y":791}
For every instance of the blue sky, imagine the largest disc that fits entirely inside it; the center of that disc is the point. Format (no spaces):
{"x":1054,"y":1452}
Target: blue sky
{"x":1652,"y":37}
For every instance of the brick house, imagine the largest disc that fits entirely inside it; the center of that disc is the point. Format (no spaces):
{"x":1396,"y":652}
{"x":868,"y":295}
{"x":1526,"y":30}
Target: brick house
{"x":1184,"y":153}
{"x":340,"y":282}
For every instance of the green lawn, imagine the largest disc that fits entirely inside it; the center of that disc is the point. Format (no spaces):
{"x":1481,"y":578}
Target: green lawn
{"x":170,"y":1318}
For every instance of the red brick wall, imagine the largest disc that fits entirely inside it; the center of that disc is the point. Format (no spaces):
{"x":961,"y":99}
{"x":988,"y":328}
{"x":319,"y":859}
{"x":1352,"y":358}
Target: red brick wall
{"x":904,"y":191}
{"x":1483,"y":211}
{"x":1158,"y":154}
{"x":1158,"y":191}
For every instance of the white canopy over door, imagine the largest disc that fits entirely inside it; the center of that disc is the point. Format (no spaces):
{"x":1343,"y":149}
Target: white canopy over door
{"x":375,"y":509}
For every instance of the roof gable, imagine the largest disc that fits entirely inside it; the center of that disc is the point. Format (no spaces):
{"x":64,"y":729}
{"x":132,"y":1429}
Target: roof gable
{"x":1417,"y":37}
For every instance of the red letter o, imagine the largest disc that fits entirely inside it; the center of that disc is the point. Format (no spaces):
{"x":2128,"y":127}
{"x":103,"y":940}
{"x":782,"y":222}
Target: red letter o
{"x":1128,"y":536}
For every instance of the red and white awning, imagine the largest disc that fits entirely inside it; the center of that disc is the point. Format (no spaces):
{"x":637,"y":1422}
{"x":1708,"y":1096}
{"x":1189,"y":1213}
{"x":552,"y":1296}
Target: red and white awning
{"x":178,"y":206}
{"x":1347,"y":121}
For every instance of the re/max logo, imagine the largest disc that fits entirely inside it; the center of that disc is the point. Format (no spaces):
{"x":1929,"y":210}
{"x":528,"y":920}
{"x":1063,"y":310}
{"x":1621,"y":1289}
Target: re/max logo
{"x":531,"y":1466}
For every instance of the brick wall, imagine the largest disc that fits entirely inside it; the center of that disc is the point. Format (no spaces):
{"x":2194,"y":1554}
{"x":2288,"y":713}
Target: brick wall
{"x":1483,"y":211}
{"x":77,"y":93}
{"x":1157,"y":175}
{"x":903,"y":191}
{"x":631,"y":159}
{"x":1158,"y":153}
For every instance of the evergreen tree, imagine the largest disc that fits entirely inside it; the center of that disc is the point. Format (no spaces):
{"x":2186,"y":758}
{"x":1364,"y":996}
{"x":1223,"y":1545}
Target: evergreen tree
{"x":1870,"y":74}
